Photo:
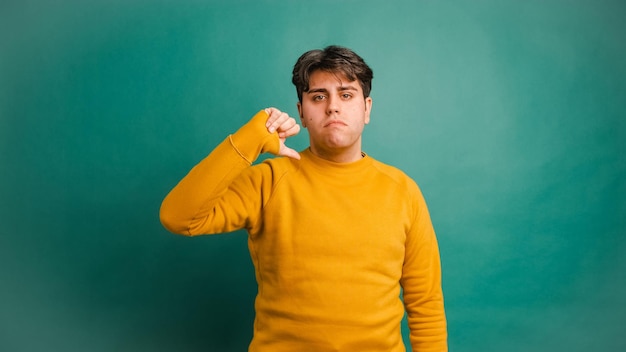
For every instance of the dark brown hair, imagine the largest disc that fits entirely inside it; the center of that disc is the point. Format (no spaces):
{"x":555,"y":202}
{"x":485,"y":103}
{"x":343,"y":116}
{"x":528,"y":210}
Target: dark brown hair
{"x":335,"y":59}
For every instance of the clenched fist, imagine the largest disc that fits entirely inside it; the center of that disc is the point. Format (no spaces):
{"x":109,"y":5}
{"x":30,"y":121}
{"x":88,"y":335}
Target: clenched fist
{"x":286,"y":126}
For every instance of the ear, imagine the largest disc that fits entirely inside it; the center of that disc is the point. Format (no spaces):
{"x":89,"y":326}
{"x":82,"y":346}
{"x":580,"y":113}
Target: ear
{"x":299,"y":106}
{"x":368,"y":110}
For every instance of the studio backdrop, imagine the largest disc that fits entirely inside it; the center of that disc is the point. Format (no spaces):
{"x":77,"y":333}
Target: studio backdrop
{"x":510,"y":115}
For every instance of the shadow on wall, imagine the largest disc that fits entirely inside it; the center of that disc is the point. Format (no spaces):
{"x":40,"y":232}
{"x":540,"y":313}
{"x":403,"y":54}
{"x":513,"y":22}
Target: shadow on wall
{"x":109,"y":277}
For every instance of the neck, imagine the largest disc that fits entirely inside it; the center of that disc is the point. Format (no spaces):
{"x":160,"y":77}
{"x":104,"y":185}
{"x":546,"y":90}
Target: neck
{"x":338,"y":156}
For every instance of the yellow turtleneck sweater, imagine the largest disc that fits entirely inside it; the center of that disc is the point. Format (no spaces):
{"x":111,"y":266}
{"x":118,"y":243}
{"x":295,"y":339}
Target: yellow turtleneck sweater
{"x":331,"y":243}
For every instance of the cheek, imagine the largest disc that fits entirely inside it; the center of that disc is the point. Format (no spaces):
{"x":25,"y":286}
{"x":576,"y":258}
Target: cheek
{"x":305,"y":119}
{"x":307,"y":115}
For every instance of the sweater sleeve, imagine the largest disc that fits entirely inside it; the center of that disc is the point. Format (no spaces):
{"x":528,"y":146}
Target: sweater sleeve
{"x":201,"y":203}
{"x":421,"y":284}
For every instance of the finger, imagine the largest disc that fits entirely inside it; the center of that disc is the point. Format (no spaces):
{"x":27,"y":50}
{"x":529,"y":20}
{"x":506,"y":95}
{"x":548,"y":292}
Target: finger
{"x":280,"y":119}
{"x":292,"y":131}
{"x":287,"y":124}
{"x":273,"y":114}
{"x":288,"y":152}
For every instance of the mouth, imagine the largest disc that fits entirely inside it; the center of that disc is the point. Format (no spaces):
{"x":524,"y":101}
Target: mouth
{"x":335,"y":123}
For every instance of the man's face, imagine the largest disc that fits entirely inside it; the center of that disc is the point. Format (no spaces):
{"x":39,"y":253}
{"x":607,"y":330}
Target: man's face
{"x":335,"y":113}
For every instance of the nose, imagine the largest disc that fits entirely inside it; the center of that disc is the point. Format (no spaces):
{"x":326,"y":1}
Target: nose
{"x":333,"y":105}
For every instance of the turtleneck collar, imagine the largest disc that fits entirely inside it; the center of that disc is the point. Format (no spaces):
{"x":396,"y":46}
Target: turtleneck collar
{"x":327,"y":166}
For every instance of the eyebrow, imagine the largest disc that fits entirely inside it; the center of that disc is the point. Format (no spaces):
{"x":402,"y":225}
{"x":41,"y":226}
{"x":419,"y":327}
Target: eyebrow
{"x":324,"y":90}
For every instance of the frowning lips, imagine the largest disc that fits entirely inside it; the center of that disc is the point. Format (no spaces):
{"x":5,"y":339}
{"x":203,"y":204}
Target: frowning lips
{"x":335,"y":123}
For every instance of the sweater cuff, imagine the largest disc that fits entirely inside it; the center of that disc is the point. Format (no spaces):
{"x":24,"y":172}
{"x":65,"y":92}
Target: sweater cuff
{"x":253,"y":138}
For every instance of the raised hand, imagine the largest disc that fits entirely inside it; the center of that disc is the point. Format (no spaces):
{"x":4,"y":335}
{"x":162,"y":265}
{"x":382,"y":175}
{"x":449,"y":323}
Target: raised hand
{"x":286,"y":126}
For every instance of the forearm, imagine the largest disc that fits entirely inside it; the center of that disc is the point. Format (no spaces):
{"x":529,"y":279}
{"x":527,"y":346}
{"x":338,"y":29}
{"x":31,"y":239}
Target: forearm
{"x":211,"y":177}
{"x":423,"y":300}
{"x":427,"y":325}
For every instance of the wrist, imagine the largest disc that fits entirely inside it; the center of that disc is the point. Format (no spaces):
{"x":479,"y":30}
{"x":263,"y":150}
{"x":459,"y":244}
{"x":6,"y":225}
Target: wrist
{"x":253,"y":138}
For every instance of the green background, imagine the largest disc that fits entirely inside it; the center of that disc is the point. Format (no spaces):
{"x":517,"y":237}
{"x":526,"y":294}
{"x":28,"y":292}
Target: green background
{"x":511,"y":115}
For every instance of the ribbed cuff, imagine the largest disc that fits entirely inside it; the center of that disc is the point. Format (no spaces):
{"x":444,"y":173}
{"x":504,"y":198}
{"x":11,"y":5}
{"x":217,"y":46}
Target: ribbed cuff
{"x":253,"y":138}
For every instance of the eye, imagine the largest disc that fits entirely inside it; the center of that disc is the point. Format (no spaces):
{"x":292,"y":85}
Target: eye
{"x":346,"y":96}
{"x":318,"y":97}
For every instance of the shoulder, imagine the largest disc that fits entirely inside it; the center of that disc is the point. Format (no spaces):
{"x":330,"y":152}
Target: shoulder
{"x":274,"y":168}
{"x":394,"y":174}
{"x":281,"y":164}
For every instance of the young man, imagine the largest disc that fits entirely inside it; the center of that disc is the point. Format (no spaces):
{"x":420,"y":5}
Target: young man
{"x":333,"y":234}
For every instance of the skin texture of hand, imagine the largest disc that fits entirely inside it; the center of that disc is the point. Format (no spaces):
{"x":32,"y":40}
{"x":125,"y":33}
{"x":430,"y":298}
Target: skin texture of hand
{"x":286,"y":126}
